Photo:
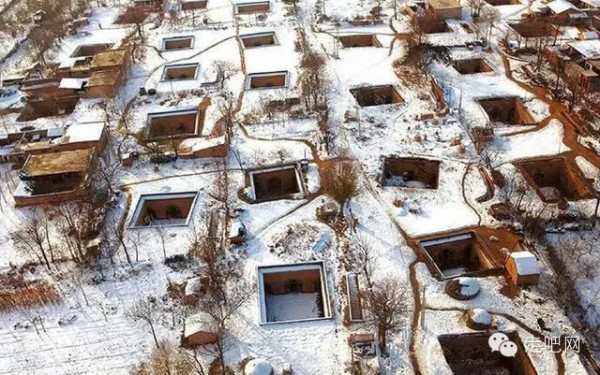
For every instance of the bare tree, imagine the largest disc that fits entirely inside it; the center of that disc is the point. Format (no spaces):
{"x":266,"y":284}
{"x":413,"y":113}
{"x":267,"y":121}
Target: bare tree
{"x":420,"y":24}
{"x":136,"y":240}
{"x":489,"y":17}
{"x":109,"y":169}
{"x":311,"y":79}
{"x":220,"y":303}
{"x":138,"y":16}
{"x":72,"y":222}
{"x":395,"y":7}
{"x":162,"y":234}
{"x":475,"y":6}
{"x":117,"y":112}
{"x":573,"y":80}
{"x":227,"y":106}
{"x":167,"y":359}
{"x":32,"y":236}
{"x":146,"y":311}
{"x":341,"y":181}
{"x":387,"y":303}
{"x":225,"y":289}
{"x":120,"y":236}
{"x":224,"y":70}
{"x":364,"y":259}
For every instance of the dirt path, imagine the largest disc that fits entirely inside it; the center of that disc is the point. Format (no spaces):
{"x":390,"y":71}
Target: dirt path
{"x":557,"y":111}
{"x":412,"y":275}
{"x":417,"y":311}
{"x":416,"y":317}
{"x":464,"y":178}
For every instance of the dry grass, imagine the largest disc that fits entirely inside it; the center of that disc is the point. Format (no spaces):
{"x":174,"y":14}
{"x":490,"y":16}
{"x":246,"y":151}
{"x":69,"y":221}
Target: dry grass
{"x":17,"y":293}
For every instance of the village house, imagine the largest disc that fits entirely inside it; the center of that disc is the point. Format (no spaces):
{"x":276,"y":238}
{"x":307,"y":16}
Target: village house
{"x":16,"y":146}
{"x":139,"y":11}
{"x":467,"y":351}
{"x":176,"y":124}
{"x":580,"y":59}
{"x":54,"y":177}
{"x":460,"y":254}
{"x":203,"y":147}
{"x":94,"y":71}
{"x":588,"y":52}
{"x":562,"y":12}
{"x":252,"y":7}
{"x":444,"y":9}
{"x":593,"y":6}
{"x":556,"y":179}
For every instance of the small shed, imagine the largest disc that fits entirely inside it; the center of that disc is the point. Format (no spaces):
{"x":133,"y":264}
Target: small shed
{"x":199,"y":330}
{"x":522,"y":268}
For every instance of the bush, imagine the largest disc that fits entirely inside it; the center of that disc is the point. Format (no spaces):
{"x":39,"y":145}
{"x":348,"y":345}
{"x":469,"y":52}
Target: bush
{"x":17,"y":293}
{"x":341,"y":181}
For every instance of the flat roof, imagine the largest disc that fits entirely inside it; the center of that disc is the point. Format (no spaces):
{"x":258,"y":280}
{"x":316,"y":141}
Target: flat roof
{"x":440,"y":4}
{"x":58,"y":163}
{"x":109,"y":58}
{"x":526,"y":263}
{"x":84,"y":132}
{"x":103,"y":78}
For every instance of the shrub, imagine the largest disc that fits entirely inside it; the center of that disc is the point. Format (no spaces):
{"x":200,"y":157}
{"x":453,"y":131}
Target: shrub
{"x":17,"y":293}
{"x":341,"y":181}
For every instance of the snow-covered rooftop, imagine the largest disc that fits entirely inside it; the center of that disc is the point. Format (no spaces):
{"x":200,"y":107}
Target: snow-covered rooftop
{"x":590,"y":49}
{"x":526,"y":263}
{"x":84,"y":132}
{"x":559,"y":6}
